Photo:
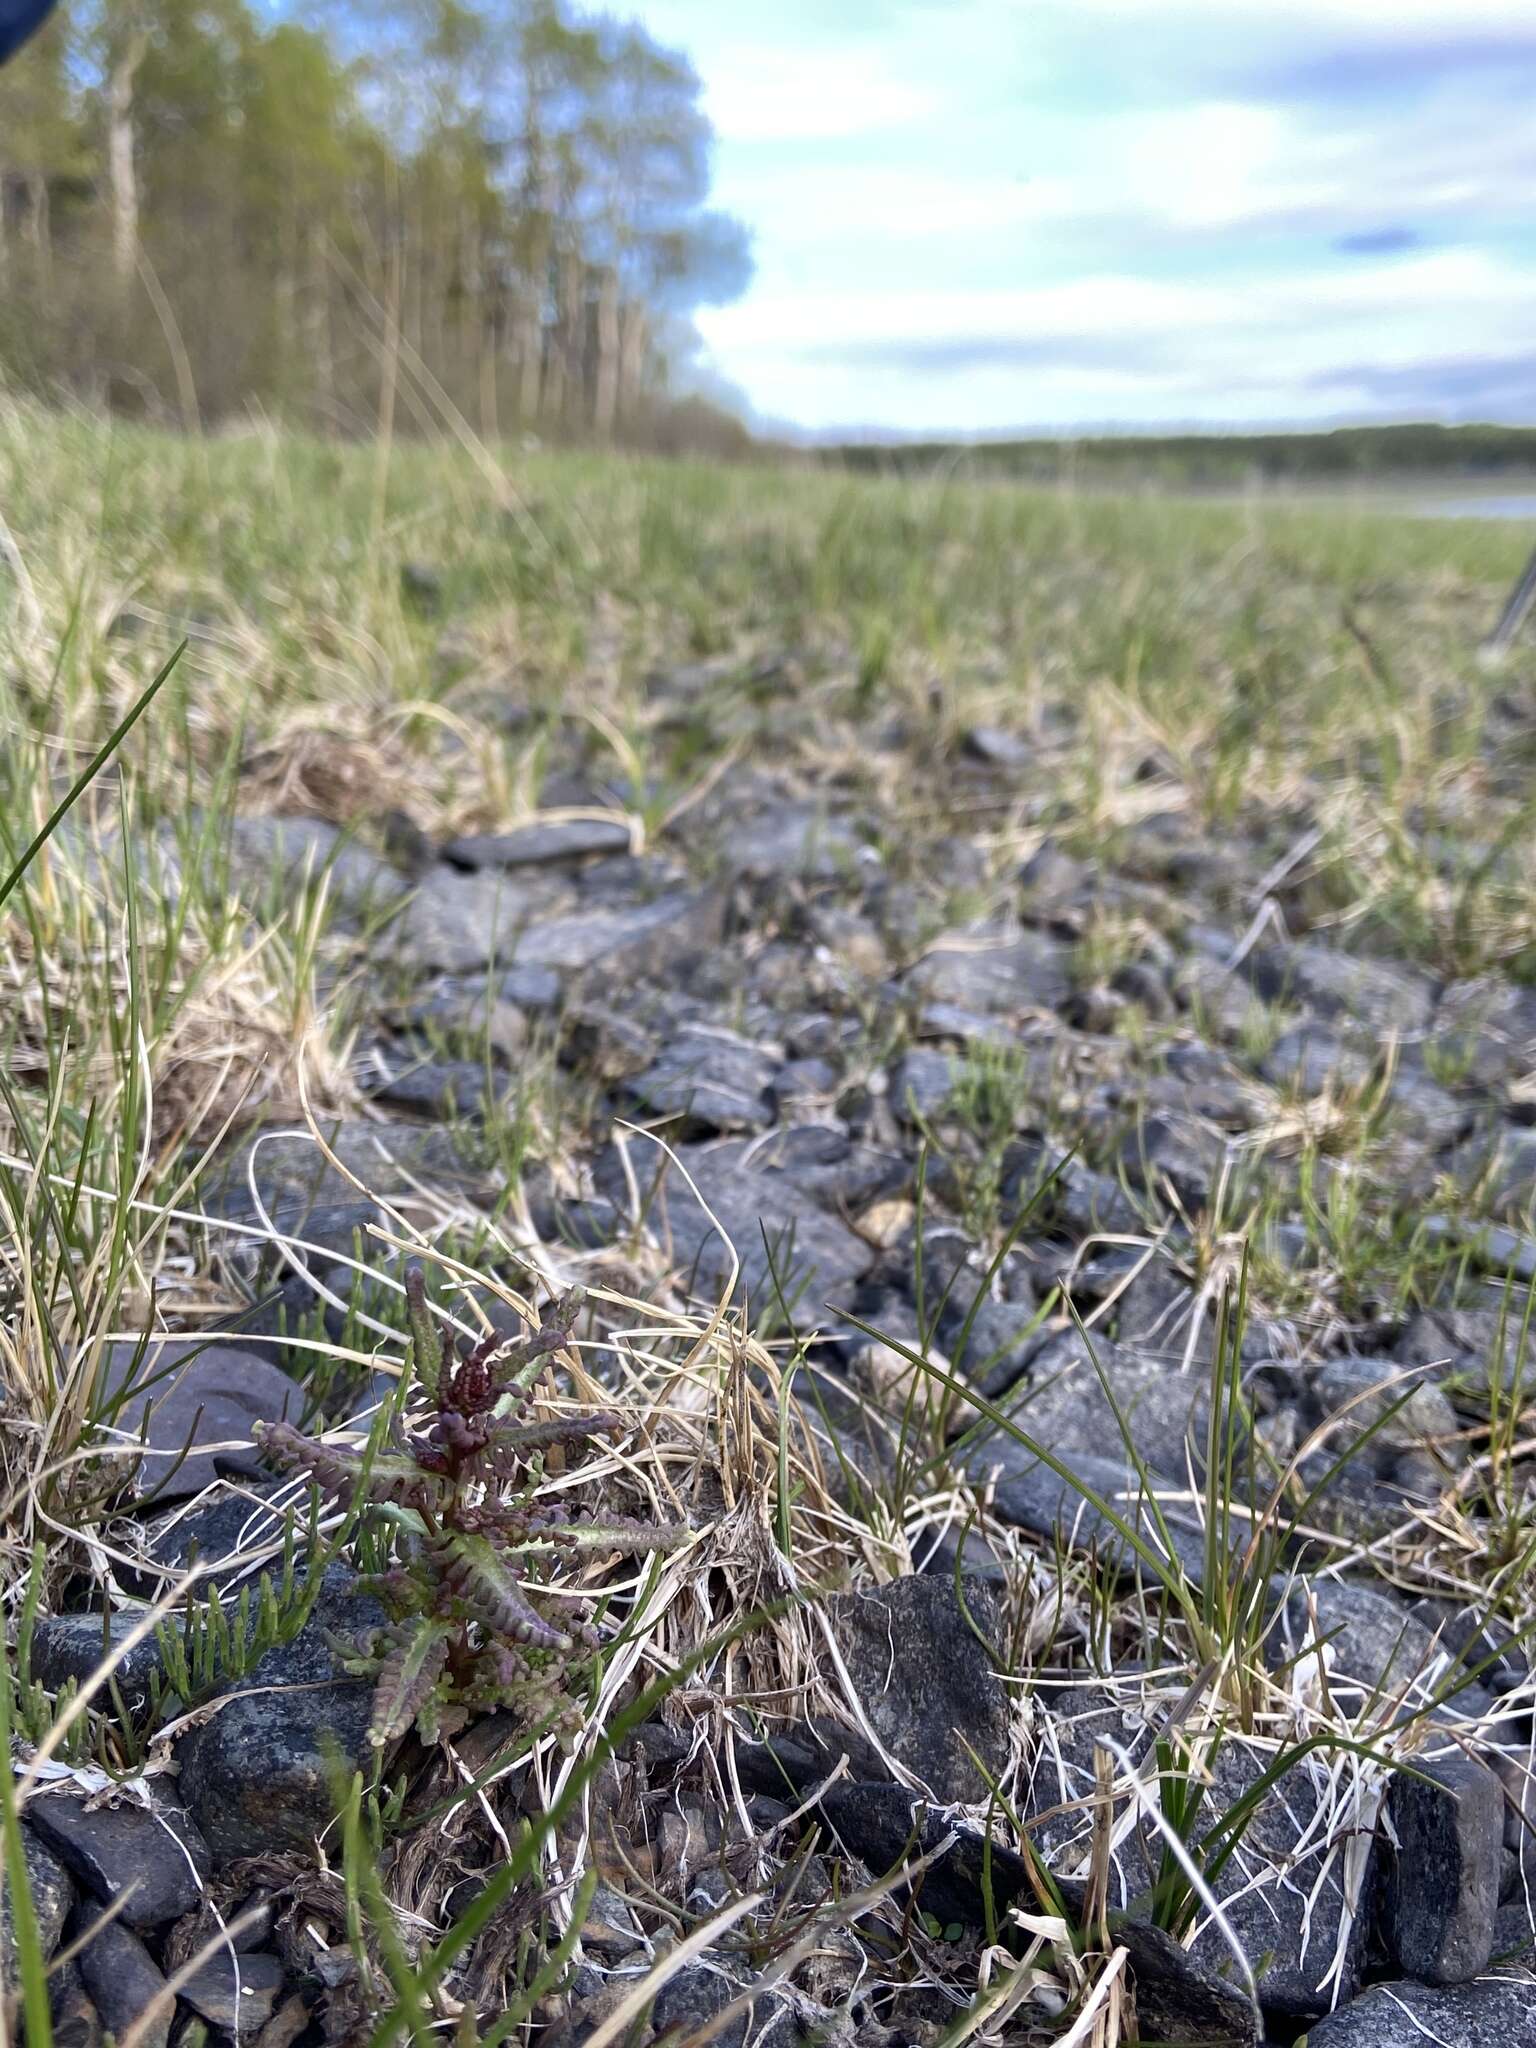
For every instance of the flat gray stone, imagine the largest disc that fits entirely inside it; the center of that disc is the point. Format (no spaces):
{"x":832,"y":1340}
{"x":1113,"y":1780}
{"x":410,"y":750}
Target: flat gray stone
{"x":194,"y":1404}
{"x":1031,"y":1495}
{"x":775,"y":1225}
{"x":800,"y":842}
{"x":923,"y":1083}
{"x":1501,"y":1168}
{"x":124,"y":1981}
{"x":710,"y":1076}
{"x":1062,"y":1404}
{"x":287,"y":854}
{"x":1494,"y":2012}
{"x":1424,"y":1417}
{"x":148,"y":1861}
{"x":539,"y":844}
{"x":70,"y":1646}
{"x":303,"y":1195}
{"x":645,"y":939}
{"x":1383,"y":999}
{"x":992,"y":972}
{"x":456,"y":923}
{"x":925,"y":1678}
{"x":238,"y":1993}
{"x":1373,"y":1642}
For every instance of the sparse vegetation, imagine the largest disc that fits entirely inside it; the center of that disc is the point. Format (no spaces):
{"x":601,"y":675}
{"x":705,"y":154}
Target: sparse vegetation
{"x":1015,"y":1013}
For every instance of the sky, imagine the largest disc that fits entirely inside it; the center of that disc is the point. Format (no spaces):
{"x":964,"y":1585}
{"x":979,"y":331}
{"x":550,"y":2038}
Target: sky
{"x":982,"y":215}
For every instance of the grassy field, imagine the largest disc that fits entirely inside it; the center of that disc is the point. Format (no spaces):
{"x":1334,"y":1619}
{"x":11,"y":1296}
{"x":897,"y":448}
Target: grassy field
{"x":407,"y":644}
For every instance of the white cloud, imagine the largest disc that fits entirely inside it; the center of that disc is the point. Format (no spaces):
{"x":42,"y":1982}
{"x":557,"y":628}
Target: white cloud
{"x":759,"y":92}
{"x":1117,"y":346}
{"x":1409,"y":17}
{"x":944,"y":191}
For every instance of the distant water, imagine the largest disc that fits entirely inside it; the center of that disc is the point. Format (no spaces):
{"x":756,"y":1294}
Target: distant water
{"x":1512,"y":505}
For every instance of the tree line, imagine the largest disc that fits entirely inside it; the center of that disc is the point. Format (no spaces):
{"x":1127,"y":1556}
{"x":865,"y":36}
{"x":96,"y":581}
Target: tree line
{"x":1338,"y":454}
{"x":360,"y":212}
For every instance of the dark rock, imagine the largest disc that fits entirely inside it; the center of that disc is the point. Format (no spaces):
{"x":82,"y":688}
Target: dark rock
{"x":1492,"y":1247}
{"x":1061,"y":1191}
{"x":923,"y":1083}
{"x":537,"y":845}
{"x":1444,"y":1875}
{"x":286,"y":854}
{"x":1311,"y":1060}
{"x":646,"y":939}
{"x":406,"y":846}
{"x":149,"y":1861}
{"x":805,"y":1083}
{"x":1485,"y":1030}
{"x":1282,"y":1894}
{"x":618,"y":881}
{"x":822,"y":1164}
{"x":993,"y":972}
{"x":713,"y":1077}
{"x":120,"y":1975}
{"x":1383,"y":999}
{"x":1064,"y":1405}
{"x":695,"y":1997}
{"x":1365,"y":1390}
{"x":52,"y":1892}
{"x":194,"y":1405}
{"x":972,"y":1556}
{"x":455,"y":923}
{"x":236,"y":1992}
{"x":257,"y":1775}
{"x":993,"y":1343}
{"x":1220,"y":1001}
{"x":884,"y":1826}
{"x":421,"y":1085}
{"x":1373,"y":1644}
{"x":1501,"y":1169}
{"x":70,"y":1646}
{"x":1474,"y":1350}
{"x":76,"y":2022}
{"x":589,"y":1224}
{"x":1051,"y":878}
{"x":231,"y":1524}
{"x":1030,"y":1494}
{"x":1176,"y":1152}
{"x":782,"y":1238}
{"x":531,"y":987}
{"x":1145,"y":984}
{"x":1496,"y":2012}
{"x":799,"y":842}
{"x":1424,"y":1112}
{"x":926,"y":1680}
{"x":1514,"y":1939}
{"x":1180,"y":1998}
{"x":304,"y":1196}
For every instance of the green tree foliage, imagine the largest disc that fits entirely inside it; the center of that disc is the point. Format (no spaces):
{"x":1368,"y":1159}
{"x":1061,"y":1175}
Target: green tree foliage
{"x":205,"y":209}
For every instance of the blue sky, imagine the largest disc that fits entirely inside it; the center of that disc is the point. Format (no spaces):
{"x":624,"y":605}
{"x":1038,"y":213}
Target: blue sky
{"x":984,"y":214}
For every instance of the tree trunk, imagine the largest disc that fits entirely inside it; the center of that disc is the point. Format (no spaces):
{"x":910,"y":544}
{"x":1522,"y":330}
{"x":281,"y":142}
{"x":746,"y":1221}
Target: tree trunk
{"x":530,"y":362}
{"x":490,"y":349}
{"x":605,"y":383}
{"x":633,"y":333}
{"x":317,"y":325}
{"x":122,"y":174}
